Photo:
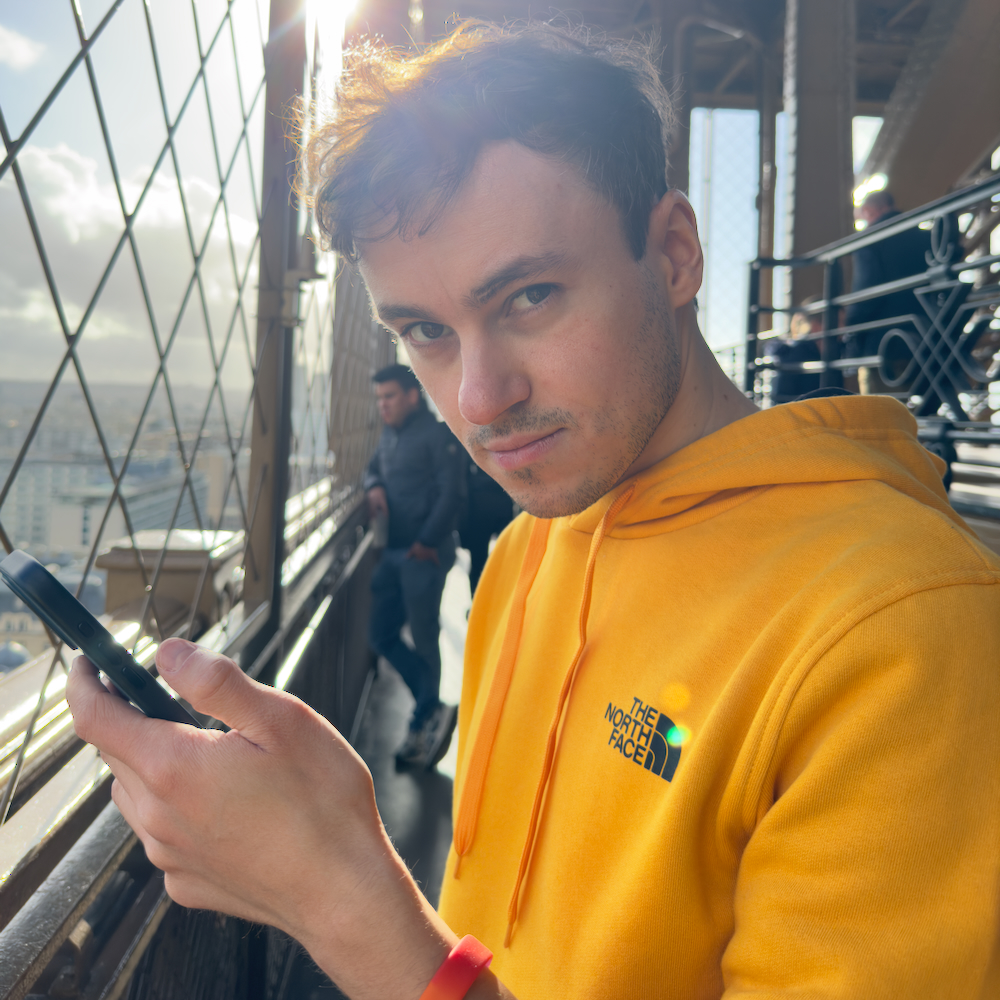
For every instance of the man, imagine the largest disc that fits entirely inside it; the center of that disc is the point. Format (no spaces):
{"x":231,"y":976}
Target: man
{"x":488,"y":511}
{"x":728,"y":723}
{"x":414,"y":480}
{"x":897,"y":257}
{"x":795,"y":349}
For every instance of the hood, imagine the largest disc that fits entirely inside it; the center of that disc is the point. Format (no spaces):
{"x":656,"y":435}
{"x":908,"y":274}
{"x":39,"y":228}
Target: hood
{"x":831,"y":439}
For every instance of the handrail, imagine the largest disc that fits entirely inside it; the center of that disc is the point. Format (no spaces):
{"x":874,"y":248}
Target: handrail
{"x":954,"y":202}
{"x":932,"y":364}
{"x":31,"y":939}
{"x":32,"y":936}
{"x":929,"y":356}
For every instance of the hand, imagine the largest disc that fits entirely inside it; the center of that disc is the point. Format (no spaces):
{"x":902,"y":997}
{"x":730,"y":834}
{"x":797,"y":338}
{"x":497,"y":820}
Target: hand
{"x":424,"y":553}
{"x":378,"y":502}
{"x":274,"y":821}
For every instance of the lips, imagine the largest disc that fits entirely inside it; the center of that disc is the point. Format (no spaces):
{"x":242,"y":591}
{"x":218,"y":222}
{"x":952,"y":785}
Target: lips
{"x":519,"y":450}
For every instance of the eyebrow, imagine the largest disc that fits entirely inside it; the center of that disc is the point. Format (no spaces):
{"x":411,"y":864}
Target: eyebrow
{"x":386,"y":314}
{"x":518,"y":269}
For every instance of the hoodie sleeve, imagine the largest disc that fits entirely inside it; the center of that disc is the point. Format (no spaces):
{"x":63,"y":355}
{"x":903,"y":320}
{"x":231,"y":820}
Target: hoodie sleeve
{"x":873,"y":864}
{"x":445,"y":461}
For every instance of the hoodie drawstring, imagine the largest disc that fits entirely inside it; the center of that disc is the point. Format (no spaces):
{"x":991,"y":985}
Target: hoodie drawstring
{"x":567,"y":685}
{"x":479,"y":758}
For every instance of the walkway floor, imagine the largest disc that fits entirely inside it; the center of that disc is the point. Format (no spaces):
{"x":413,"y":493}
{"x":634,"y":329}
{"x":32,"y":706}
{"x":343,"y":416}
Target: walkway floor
{"x":415,"y":806}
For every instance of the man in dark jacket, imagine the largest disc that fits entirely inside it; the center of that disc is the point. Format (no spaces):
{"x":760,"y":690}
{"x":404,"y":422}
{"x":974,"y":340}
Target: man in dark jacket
{"x":414,"y":479}
{"x":488,"y":510}
{"x":897,"y":257}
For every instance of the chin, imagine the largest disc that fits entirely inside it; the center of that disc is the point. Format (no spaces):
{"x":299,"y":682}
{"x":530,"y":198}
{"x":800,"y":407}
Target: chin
{"x":554,"y":502}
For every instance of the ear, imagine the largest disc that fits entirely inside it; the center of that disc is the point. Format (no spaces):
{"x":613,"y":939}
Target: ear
{"x":673,"y":247}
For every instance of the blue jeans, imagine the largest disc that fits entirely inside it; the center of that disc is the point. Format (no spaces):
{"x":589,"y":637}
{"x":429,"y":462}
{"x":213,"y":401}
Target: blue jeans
{"x":409,"y":590}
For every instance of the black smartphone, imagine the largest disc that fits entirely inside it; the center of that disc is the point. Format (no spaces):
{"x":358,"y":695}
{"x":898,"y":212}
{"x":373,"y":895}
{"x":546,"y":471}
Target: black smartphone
{"x":79,"y":629}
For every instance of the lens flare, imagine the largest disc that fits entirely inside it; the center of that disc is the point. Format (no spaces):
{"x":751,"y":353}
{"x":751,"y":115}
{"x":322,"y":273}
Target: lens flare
{"x":678,"y":736}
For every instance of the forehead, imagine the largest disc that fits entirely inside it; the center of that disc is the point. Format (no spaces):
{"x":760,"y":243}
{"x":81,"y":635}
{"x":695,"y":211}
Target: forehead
{"x":514,"y":202}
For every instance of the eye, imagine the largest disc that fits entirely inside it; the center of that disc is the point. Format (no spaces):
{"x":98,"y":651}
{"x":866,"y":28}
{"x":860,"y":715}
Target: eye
{"x":424,"y":333}
{"x":533,"y":295}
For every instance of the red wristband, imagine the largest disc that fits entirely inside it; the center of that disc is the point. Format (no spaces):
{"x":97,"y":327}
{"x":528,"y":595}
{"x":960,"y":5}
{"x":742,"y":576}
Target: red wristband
{"x":458,"y":971}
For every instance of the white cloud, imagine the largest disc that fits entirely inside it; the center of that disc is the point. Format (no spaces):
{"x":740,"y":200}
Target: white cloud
{"x":80,"y":222}
{"x":18,"y":52}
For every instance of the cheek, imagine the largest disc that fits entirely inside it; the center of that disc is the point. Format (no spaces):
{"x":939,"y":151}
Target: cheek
{"x":583,"y":365}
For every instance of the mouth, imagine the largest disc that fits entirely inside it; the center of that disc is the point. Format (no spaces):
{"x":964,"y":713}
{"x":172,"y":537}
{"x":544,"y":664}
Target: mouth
{"x":517,"y":451}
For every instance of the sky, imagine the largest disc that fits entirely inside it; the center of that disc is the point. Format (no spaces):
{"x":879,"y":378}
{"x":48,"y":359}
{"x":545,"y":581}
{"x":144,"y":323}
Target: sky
{"x":69,"y":180}
{"x":723,"y":191}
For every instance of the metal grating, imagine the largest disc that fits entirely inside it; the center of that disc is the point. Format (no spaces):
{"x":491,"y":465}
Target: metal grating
{"x":131,"y":213}
{"x":336,"y":348}
{"x":130,"y":207}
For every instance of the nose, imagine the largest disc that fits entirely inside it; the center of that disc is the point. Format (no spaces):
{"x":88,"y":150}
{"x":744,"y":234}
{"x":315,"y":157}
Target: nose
{"x":493,"y":380}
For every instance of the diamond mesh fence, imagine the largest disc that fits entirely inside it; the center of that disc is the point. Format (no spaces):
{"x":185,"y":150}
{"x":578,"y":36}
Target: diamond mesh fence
{"x":130,"y":208}
{"x":723,"y":189}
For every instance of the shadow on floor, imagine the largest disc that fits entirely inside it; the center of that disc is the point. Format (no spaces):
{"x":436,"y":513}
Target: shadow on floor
{"x":415,"y":807}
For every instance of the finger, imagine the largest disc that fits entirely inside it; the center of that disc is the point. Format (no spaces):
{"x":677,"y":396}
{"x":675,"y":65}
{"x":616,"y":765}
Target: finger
{"x":129,"y":781}
{"x":215,"y":686}
{"x":108,"y":722}
{"x":127,"y":807}
{"x":113,"y":688}
{"x":159,"y":855}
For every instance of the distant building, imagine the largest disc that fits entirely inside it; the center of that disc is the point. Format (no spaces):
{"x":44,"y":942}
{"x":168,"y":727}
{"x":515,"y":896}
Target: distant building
{"x":76,"y":512}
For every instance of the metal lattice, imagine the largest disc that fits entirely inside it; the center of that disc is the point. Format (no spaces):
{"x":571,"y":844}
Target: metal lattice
{"x":337,"y":346}
{"x":131,"y":212}
{"x":723,"y":172}
{"x":147,"y":289}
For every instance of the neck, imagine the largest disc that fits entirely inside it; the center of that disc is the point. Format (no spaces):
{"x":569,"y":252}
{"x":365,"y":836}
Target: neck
{"x":706,"y":400}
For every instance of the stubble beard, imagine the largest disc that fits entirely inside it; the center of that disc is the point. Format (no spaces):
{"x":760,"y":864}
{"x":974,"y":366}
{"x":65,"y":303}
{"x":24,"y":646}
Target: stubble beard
{"x":655,"y":381}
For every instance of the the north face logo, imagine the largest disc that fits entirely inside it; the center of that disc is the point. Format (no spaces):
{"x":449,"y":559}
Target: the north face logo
{"x":645,"y":736}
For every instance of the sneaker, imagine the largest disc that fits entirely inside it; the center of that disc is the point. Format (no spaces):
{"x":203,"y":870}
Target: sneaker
{"x":425,"y":746}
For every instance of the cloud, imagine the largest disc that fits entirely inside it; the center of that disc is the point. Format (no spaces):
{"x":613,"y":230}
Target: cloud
{"x":80,"y":222}
{"x":18,"y":52}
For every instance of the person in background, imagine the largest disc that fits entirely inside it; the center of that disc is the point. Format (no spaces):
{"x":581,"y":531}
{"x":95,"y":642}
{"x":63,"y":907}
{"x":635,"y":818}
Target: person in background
{"x":896,"y":257}
{"x":414,"y":480}
{"x":795,"y":349}
{"x":489,"y":509}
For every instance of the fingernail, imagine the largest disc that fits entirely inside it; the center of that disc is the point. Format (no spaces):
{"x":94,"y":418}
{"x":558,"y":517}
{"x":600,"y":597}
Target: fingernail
{"x":172,"y":653}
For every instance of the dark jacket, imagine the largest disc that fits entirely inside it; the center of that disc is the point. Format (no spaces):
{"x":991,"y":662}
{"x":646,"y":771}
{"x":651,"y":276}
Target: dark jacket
{"x":419,"y":464}
{"x":787,"y":386}
{"x":897,"y":257}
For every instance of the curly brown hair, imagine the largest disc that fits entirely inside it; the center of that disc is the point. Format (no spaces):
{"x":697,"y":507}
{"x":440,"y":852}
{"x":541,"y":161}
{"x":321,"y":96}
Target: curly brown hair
{"x":408,"y":128}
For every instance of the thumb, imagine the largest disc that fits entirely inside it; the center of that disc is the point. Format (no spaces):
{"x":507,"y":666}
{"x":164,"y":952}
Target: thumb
{"x":214,"y":685}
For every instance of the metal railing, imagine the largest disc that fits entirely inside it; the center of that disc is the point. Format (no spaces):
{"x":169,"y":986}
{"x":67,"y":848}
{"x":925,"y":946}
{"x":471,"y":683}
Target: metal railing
{"x":185,"y":414}
{"x":932,"y":338}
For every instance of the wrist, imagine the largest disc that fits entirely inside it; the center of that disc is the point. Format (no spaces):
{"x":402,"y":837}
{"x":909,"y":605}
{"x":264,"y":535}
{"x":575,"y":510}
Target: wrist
{"x":388,"y":941}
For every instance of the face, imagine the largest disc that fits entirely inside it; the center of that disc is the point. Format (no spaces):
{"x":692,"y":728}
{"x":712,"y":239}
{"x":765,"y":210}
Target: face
{"x":872,"y":211}
{"x":395,"y":403}
{"x":549,"y":350}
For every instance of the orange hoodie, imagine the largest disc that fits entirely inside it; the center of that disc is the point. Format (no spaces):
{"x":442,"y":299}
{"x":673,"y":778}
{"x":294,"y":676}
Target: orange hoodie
{"x":734,"y":730}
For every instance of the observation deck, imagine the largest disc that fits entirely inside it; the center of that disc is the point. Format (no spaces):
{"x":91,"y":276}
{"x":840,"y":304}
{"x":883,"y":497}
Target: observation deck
{"x":185,"y":406}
